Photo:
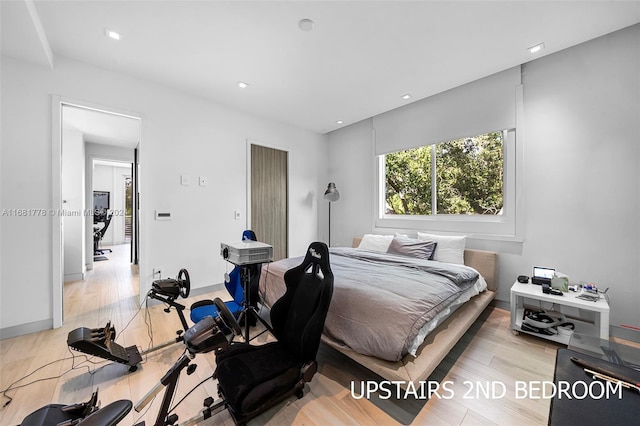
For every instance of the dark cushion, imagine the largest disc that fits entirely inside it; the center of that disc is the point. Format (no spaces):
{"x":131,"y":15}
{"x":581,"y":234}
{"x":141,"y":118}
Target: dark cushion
{"x":412,"y":247}
{"x":249,"y":376}
{"x":109,"y":415}
{"x":50,"y":414}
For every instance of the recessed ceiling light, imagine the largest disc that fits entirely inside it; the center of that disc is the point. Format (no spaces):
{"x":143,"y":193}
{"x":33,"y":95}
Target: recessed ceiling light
{"x":305,"y":24}
{"x":537,"y":48}
{"x":339,"y":122}
{"x":406,"y":96}
{"x":242,"y":85}
{"x":112,"y":34}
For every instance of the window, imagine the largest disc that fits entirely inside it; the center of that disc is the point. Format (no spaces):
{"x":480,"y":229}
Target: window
{"x":465,"y":185}
{"x":462,"y":176}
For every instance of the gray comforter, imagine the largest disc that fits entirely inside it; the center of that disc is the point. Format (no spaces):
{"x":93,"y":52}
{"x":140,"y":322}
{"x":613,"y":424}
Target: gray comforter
{"x":380,"y":301}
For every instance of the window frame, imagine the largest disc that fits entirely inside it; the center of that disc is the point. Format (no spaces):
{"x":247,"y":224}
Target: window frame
{"x":500,"y":227}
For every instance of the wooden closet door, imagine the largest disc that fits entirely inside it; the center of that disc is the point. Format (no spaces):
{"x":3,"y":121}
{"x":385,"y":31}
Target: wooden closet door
{"x":269,"y":194}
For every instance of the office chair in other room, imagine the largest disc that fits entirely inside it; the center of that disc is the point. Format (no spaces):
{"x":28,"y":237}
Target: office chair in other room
{"x":253,"y":379}
{"x":98,"y":234}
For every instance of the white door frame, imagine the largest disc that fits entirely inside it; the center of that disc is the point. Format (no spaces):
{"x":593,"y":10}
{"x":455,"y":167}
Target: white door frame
{"x":57,"y":250}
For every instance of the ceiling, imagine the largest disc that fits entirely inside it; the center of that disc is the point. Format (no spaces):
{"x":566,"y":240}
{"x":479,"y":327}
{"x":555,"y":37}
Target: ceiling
{"x":356,"y":62}
{"x":101,"y":127}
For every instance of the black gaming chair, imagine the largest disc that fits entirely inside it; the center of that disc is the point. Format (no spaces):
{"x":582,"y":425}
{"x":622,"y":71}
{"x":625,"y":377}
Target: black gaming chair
{"x":98,"y":234}
{"x":253,"y":379}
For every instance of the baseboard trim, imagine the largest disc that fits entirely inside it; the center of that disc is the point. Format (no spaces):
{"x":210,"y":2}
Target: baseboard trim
{"x":206,"y":289}
{"x":22,"y":329}
{"x":74,"y":277}
{"x":624,"y":333}
{"x":501,"y":304}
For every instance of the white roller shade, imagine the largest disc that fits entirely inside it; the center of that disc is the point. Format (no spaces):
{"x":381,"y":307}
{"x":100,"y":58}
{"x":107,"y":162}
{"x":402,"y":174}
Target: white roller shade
{"x":475,"y":108}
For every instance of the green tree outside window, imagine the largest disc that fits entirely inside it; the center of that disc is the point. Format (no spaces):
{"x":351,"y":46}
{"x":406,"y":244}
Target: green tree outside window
{"x":468,"y":174}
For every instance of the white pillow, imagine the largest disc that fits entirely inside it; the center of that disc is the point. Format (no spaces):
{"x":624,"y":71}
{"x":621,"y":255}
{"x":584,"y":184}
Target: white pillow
{"x":375,"y":242}
{"x":450,"y":249}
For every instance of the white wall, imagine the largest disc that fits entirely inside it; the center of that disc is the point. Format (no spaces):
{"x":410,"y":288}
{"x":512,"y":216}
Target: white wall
{"x":581,"y":180}
{"x":73,"y":196}
{"x":351,"y":168}
{"x":181,"y":134}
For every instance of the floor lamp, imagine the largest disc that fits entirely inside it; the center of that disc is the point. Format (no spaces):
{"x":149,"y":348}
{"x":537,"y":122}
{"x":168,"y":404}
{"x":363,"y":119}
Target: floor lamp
{"x":331,"y":195}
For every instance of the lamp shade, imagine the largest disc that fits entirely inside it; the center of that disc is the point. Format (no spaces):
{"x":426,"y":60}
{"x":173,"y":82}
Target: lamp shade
{"x":331,"y":194}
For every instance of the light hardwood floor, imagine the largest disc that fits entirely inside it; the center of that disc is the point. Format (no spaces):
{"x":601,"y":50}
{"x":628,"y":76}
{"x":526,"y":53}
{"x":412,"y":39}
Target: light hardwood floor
{"x":488,"y":353}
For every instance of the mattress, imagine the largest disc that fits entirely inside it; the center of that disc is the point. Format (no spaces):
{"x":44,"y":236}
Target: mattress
{"x":477,"y":288}
{"x":383,"y":305}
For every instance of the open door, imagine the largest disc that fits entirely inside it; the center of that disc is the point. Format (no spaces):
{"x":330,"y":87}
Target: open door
{"x":135,"y":221}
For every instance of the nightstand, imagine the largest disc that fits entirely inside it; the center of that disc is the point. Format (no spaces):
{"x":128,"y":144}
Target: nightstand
{"x":520,"y":292}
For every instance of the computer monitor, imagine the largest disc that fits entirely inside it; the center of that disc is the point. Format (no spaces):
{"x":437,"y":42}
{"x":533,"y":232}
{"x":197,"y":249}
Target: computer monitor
{"x":542,"y":275}
{"x":100,"y":205}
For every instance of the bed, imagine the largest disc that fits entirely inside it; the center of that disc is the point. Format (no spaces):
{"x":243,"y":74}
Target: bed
{"x":410,"y":356}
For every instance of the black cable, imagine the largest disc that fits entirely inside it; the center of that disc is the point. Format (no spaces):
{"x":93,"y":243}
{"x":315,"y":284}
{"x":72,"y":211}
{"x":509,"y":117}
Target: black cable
{"x":144,"y":303}
{"x":147,"y":322}
{"x":87,"y":359}
{"x":606,"y":297}
{"x":73,"y":367}
{"x":187,"y":394}
{"x":134,"y":316}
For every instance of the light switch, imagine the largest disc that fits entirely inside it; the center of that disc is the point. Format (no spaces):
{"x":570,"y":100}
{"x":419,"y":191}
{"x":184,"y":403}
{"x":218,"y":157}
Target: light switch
{"x":203,"y":181}
{"x":185,"y":180}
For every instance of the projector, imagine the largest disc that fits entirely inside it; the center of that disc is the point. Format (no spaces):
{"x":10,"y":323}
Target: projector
{"x":246,"y":252}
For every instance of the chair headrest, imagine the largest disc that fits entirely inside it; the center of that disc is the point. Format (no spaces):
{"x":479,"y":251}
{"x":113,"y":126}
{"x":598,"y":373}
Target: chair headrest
{"x":249,"y":235}
{"x":317,"y":252}
{"x":318,"y":255}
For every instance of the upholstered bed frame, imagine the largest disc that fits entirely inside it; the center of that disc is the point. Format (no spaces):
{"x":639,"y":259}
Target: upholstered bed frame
{"x":439,"y":342}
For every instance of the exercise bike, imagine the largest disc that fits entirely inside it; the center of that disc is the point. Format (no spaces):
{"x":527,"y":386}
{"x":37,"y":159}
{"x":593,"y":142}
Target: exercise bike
{"x":205,"y":336}
{"x":100,"y":342}
{"x":252,"y":379}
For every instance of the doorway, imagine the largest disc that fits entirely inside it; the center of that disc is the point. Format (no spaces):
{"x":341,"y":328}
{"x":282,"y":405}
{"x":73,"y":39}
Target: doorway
{"x":112,"y":186}
{"x":92,"y":133}
{"x":269,"y":198}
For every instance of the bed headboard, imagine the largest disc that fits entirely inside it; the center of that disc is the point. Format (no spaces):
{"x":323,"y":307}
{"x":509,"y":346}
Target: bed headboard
{"x":485,"y":262}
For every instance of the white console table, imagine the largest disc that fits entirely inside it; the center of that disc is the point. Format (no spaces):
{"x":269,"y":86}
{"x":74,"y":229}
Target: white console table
{"x":520,"y":292}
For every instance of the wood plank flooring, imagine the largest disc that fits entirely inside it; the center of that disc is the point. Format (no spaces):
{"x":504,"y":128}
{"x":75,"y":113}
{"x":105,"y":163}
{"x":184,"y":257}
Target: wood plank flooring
{"x":488,"y":353}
